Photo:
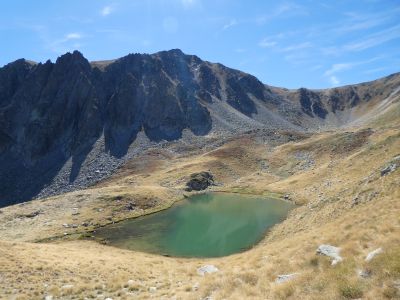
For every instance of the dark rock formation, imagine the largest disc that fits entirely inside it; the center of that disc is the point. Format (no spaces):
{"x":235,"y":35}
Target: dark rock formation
{"x":53,"y":115}
{"x":199,"y":181}
{"x":311,"y":103}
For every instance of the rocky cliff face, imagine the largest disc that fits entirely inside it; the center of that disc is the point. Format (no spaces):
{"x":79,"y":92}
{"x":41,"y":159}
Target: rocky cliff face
{"x":54,"y":113}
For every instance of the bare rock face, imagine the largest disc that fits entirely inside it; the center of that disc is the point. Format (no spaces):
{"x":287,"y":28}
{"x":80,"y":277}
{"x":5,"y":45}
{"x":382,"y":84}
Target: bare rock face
{"x":54,"y":116}
{"x":311,"y":103}
{"x":51,"y":113}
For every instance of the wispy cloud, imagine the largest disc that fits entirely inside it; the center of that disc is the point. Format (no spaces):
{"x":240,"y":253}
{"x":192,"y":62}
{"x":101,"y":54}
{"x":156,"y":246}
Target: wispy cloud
{"x":334,"y":80}
{"x":73,"y":36}
{"x":296,"y":47}
{"x":374,"y":39}
{"x":338,"y":68}
{"x":360,"y":25}
{"x":267,"y":43}
{"x":106,"y":10}
{"x":230,"y":24}
{"x":375,"y":70}
{"x":289,"y":8}
{"x":70,"y":41}
{"x":240,"y":50}
{"x":190,"y":3}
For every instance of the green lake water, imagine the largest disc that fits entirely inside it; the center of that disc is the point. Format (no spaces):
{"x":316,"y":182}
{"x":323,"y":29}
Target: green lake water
{"x":206,"y":225}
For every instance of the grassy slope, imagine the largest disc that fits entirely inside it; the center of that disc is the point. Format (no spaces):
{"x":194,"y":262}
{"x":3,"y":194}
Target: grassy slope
{"x":324,"y":173}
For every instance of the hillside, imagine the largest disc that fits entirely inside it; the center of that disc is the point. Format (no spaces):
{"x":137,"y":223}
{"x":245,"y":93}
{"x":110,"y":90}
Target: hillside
{"x":334,"y":153}
{"x":68,"y":124}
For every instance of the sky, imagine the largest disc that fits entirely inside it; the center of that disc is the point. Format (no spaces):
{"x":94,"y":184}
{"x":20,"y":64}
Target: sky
{"x":313,"y":44}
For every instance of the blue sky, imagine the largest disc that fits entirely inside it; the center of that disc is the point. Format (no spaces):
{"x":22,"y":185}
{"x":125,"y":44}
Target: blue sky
{"x":315,"y":44}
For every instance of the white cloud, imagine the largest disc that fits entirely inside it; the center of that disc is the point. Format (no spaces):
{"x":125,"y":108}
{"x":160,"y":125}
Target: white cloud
{"x":240,"y":50}
{"x":374,"y":39}
{"x":338,"y":67}
{"x":67,"y":43}
{"x":334,"y":80}
{"x":288,"y":8}
{"x":298,"y":46}
{"x":267,"y":43}
{"x":316,"y":67}
{"x":190,"y":3}
{"x":230,"y":24}
{"x":376,"y":70}
{"x":106,"y":10}
{"x":73,"y":36}
{"x":360,"y":25}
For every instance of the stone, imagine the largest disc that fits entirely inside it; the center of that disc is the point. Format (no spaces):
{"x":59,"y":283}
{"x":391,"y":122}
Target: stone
{"x":355,"y":201}
{"x":67,"y":286}
{"x":207,"y":269}
{"x":285,"y":277}
{"x":48,"y":297}
{"x":195,"y":287}
{"x":330,"y":251}
{"x":130,"y":282}
{"x":152,"y":289}
{"x":364,"y":273}
{"x":130,"y":206}
{"x":199,"y":181}
{"x":31,"y":214}
{"x":372,"y":254}
{"x":389,"y":169}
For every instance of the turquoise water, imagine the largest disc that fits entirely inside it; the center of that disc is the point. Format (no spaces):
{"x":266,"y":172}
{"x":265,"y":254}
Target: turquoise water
{"x":206,"y":225}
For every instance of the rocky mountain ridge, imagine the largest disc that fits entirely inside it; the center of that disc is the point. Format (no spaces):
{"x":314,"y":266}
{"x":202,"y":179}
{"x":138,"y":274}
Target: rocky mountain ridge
{"x":80,"y":119}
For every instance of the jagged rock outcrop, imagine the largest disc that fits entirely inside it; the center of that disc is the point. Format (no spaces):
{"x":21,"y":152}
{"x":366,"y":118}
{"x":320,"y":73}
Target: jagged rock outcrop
{"x":199,"y":181}
{"x":54,"y":115}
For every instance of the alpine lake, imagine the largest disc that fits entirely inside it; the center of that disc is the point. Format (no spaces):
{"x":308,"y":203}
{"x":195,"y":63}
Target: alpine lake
{"x":202,"y":225}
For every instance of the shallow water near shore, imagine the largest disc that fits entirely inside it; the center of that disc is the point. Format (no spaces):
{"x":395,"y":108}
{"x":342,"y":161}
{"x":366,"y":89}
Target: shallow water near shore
{"x":205,"y":225}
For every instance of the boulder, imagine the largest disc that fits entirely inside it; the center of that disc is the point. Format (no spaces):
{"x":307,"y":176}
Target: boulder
{"x":364,"y":273}
{"x":207,"y":269}
{"x":67,"y":286}
{"x":199,"y":181}
{"x":285,"y":277}
{"x":389,"y":169}
{"x":331,"y":251}
{"x":372,"y":254}
{"x":391,"y":166}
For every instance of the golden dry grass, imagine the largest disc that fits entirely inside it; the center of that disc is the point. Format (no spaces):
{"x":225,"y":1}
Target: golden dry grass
{"x":334,"y":176}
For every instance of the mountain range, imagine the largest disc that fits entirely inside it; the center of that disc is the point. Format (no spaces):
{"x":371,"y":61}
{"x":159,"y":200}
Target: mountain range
{"x":66,"y":125}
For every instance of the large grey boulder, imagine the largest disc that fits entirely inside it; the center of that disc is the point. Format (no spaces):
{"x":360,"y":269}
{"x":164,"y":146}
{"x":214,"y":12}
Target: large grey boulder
{"x":207,"y":269}
{"x":330,"y":251}
{"x":199,"y":181}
